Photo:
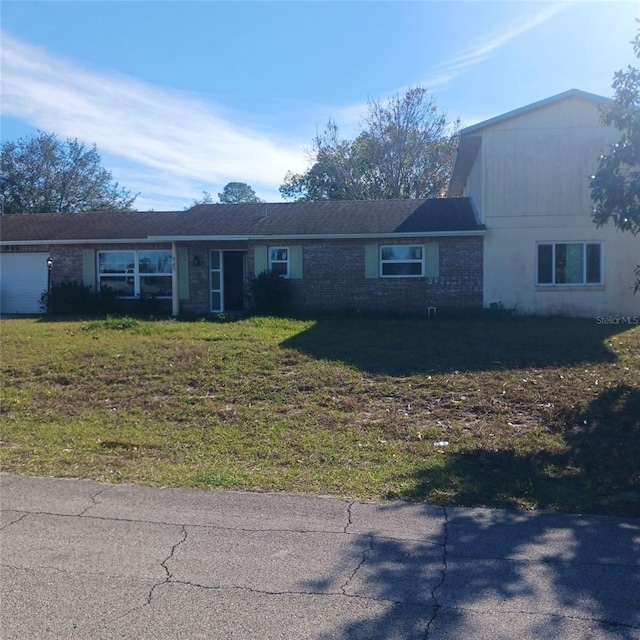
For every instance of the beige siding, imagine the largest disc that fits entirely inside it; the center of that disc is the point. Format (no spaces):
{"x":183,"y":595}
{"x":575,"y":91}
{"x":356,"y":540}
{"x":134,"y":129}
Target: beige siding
{"x":539,"y":163}
{"x":531,"y":177}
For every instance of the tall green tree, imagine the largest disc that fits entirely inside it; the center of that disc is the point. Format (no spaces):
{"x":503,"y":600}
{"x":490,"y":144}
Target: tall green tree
{"x":237,"y":192}
{"x":615,"y":187}
{"x":43,"y":174}
{"x":405,"y":149}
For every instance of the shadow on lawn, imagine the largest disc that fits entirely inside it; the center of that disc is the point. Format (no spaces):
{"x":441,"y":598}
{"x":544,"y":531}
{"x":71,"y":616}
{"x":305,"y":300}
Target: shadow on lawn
{"x":598,"y":471}
{"x":500,"y":574}
{"x":507,"y":573}
{"x":415,"y":346}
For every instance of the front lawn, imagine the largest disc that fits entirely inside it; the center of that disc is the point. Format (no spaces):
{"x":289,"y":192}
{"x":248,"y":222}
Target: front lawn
{"x":496,"y":411}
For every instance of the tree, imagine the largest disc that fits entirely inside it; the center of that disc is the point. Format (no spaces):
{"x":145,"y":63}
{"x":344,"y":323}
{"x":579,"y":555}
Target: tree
{"x":237,"y":192}
{"x":615,"y":187}
{"x":207,"y":198}
{"x":406,"y":149}
{"x":43,"y":174}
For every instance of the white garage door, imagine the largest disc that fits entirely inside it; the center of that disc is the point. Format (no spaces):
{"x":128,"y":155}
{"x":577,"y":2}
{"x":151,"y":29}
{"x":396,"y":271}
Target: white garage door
{"x":23,"y":278}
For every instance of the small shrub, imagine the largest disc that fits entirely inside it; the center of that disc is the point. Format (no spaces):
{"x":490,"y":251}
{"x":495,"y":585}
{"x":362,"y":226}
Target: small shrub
{"x":268,"y":293}
{"x":67,"y":298}
{"x":73,"y":298}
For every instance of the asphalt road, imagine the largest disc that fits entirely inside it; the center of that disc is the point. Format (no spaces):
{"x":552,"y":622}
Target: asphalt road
{"x":86,"y":560}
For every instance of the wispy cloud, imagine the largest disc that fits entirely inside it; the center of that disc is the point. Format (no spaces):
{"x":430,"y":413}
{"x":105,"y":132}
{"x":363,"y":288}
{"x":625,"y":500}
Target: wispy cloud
{"x":173,"y":145}
{"x":483,"y":49}
{"x":446,"y":73}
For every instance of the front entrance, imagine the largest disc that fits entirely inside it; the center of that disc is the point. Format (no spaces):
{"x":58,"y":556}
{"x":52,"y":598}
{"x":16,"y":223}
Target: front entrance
{"x":227,"y":278}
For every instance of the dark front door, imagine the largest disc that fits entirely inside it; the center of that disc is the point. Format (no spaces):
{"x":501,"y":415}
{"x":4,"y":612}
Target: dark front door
{"x":234,"y":279}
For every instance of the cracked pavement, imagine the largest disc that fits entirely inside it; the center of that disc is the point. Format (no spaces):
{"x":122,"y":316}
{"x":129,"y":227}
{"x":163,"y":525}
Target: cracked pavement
{"x":80,"y":559}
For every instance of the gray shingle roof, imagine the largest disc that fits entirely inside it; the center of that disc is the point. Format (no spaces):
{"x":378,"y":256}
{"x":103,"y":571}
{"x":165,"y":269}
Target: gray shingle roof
{"x":249,"y":220}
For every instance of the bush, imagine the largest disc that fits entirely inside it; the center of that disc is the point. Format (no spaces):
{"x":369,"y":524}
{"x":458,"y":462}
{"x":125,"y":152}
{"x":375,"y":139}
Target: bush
{"x":73,"y":298}
{"x":268,"y":293}
{"x":69,"y":298}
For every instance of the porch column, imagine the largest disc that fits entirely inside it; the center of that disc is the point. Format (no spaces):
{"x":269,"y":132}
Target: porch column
{"x":175,"y":302}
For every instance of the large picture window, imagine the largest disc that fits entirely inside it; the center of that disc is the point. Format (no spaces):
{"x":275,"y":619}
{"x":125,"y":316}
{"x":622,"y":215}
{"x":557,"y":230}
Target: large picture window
{"x":136,"y":273}
{"x":571,"y":263}
{"x":402,"y":261}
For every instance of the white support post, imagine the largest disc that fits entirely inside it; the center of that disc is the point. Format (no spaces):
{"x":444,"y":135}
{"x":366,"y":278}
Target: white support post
{"x":175,"y":301}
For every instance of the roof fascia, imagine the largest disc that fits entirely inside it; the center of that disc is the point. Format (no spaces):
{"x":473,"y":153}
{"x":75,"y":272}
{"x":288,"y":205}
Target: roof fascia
{"x":324,"y":236}
{"x":571,"y":93}
{"x":16,"y":243}
{"x":321,"y":236}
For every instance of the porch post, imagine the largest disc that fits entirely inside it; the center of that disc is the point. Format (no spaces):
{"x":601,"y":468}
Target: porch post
{"x":175,"y":302}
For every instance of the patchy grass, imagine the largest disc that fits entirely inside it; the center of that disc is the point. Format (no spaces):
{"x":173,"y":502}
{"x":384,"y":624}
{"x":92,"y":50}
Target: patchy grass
{"x":537,"y":413}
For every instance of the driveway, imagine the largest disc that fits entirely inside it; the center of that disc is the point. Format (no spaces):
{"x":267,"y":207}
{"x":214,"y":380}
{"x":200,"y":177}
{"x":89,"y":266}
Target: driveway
{"x":81,"y":559}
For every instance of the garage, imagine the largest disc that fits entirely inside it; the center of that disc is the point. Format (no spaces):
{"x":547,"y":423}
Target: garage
{"x":23,"y":279}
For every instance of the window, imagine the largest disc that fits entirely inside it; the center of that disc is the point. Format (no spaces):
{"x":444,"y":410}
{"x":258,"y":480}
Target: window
{"x":136,"y":273}
{"x":575,"y":263}
{"x":402,"y":261}
{"x":279,"y":261}
{"x":116,"y":271}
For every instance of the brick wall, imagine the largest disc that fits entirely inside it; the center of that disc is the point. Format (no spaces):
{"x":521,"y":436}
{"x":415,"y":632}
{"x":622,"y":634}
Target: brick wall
{"x":333,"y":275}
{"x":198,"y":303}
{"x":334,"y":280}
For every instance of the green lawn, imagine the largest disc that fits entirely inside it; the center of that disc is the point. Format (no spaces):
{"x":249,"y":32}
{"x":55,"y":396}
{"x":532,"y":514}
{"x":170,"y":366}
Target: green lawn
{"x":537,"y":413}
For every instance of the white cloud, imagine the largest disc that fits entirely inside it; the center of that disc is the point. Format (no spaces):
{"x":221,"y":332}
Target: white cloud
{"x":469,"y":58}
{"x":173,"y":145}
{"x":170,"y":146}
{"x":445,"y":73}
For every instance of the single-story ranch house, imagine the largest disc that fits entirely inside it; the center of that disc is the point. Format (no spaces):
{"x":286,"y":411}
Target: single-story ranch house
{"x":515,"y":233}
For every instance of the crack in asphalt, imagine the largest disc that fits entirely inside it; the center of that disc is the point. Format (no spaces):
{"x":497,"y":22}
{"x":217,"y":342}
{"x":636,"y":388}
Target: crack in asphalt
{"x":436,"y":604}
{"x":24,"y":515}
{"x":163,"y":564}
{"x":93,"y":501}
{"x":326,"y":594}
{"x":349,"y":516}
{"x":363,"y":559}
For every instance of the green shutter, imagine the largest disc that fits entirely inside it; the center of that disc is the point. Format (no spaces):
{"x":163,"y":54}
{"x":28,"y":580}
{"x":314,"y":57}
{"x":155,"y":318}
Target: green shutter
{"x":295,"y":262}
{"x":371,"y":264}
{"x":89,"y":268}
{"x":260,"y":262}
{"x":183,"y":273}
{"x":432,"y":260}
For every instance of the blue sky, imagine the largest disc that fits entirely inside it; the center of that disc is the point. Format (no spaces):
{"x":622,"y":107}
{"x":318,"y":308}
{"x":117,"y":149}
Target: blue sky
{"x":186,"y":96}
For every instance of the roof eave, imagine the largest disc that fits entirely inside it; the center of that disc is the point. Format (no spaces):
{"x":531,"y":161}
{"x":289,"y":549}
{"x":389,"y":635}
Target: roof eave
{"x":571,"y":93}
{"x":321,"y":236}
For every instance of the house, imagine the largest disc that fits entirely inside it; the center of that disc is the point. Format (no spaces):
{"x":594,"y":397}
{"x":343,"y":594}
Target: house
{"x":515,"y":233}
{"x":404,"y":256}
{"x":527,"y":172}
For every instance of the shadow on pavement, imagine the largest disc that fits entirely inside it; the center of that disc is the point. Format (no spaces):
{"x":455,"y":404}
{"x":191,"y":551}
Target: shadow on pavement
{"x":501,"y":574}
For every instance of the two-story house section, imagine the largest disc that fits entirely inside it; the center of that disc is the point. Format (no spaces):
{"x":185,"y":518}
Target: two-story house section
{"x":527,"y":172}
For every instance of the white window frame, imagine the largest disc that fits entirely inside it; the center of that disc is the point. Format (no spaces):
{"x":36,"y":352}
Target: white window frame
{"x":286,"y":262}
{"x":420,"y":261}
{"x":135,"y":272}
{"x":584,"y":282}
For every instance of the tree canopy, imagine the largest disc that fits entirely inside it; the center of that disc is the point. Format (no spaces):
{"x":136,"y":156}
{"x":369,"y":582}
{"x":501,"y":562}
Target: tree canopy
{"x":615,"y":187}
{"x":405,"y":149}
{"x":237,"y":192}
{"x":43,"y":174}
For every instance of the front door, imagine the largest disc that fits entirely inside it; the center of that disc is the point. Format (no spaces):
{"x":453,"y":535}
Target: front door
{"x":227,"y":275}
